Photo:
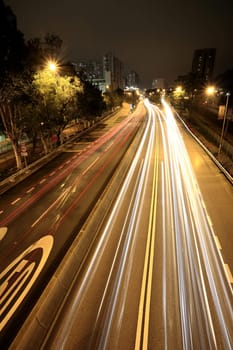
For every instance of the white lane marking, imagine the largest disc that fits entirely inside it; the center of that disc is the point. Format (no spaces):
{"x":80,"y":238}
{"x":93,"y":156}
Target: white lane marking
{"x":15,"y":201}
{"x":209,"y":220}
{"x":142,"y":329}
{"x":1,"y":211}
{"x":52,"y":173}
{"x":217,"y":242}
{"x":41,"y":181}
{"x":74,"y":188}
{"x":203,"y":203}
{"x":30,"y":190}
{"x":3,"y":231}
{"x":91,"y":165}
{"x":107,"y":148}
{"x":51,"y":206}
{"x":25,"y":271}
{"x":228,"y":272}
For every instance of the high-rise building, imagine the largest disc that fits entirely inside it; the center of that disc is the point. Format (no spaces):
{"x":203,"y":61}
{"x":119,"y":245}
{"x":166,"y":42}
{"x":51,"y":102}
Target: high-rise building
{"x":132,"y":79}
{"x":90,"y":70}
{"x":113,"y":72}
{"x":203,"y":65}
{"x":107,"y":75}
{"x":159,"y":83}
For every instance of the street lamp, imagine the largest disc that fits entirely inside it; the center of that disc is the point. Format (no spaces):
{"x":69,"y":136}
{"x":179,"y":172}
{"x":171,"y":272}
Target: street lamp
{"x":224,"y":122}
{"x":179,"y":89}
{"x":52,"y":65}
{"x":178,"y":96}
{"x":210,"y":90}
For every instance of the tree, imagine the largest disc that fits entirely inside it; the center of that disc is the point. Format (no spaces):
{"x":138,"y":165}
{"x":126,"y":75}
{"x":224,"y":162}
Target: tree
{"x":118,"y":97}
{"x":225,"y":82}
{"x":12,"y":44}
{"x":41,"y":50}
{"x":13,"y":96}
{"x":53,"y":45}
{"x":35,"y":103}
{"x":108,"y":100}
{"x":12,"y":48}
{"x":90,"y":101}
{"x":57,"y":103}
{"x":114,"y":98}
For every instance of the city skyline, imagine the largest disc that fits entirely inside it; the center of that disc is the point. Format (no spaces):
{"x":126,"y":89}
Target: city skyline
{"x":155,"y":40}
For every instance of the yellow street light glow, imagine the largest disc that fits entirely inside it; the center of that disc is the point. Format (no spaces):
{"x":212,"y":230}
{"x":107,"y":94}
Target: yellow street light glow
{"x":179,"y":89}
{"x":52,"y":66}
{"x":210,"y":90}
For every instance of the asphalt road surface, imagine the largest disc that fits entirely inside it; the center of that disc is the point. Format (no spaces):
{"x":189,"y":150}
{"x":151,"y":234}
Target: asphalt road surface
{"x":156,"y":278}
{"x":158,"y":275}
{"x":40,"y":217}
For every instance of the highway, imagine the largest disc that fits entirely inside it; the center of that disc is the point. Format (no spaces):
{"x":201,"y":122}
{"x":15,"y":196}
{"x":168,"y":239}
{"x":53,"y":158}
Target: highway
{"x":193,"y":272}
{"x":158,"y":274}
{"x":40,"y":217}
{"x":156,"y":277}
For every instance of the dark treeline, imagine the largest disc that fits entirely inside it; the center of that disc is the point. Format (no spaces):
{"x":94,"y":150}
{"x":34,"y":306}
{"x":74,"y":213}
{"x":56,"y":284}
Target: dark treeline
{"x":38,"y":102}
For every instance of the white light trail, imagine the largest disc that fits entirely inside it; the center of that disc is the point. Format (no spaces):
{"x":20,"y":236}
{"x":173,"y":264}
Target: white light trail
{"x":63,"y":196}
{"x":201,"y":279}
{"x":127,"y":237}
{"x":197,"y":299}
{"x":125,"y":266}
{"x":142,"y":331}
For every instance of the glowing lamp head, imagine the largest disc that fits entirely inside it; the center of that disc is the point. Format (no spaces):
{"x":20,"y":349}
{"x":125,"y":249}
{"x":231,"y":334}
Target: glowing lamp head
{"x":210,"y":90}
{"x":52,"y":66}
{"x":179,"y":89}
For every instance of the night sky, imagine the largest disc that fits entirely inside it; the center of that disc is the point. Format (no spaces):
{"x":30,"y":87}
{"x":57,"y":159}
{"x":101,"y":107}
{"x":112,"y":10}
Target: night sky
{"x":155,"y":38}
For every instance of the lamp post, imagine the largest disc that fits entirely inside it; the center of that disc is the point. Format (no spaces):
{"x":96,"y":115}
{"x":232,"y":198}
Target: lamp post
{"x":179,"y":96}
{"x":210,"y":92}
{"x":224,"y":122}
